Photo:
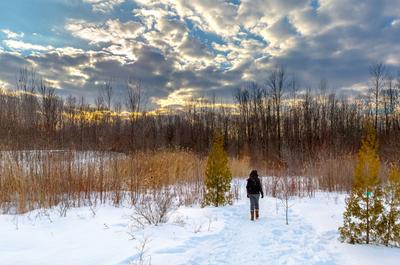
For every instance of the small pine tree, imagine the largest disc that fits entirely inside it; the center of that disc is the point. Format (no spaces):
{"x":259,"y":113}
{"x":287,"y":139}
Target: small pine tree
{"x":218,"y":175}
{"x":391,"y":234}
{"x":363,"y":215}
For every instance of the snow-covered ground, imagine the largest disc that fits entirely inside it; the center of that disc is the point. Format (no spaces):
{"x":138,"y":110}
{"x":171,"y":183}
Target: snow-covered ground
{"x":193,"y":235}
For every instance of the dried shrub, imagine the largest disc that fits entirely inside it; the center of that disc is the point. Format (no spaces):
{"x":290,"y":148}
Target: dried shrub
{"x":154,"y":207}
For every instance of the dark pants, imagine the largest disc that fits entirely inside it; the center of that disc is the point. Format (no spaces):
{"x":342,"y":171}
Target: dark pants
{"x":254,"y":198}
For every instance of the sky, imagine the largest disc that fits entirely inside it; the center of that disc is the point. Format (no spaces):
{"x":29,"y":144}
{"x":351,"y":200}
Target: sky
{"x":180,"y":49}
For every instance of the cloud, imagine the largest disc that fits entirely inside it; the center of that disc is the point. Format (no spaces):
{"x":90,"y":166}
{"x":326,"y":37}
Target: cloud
{"x":22,"y":46}
{"x":12,"y":35}
{"x":117,"y":38}
{"x":177,"y":98}
{"x":103,"y":6}
{"x":110,"y":31}
{"x":180,"y":48}
{"x":396,"y":23}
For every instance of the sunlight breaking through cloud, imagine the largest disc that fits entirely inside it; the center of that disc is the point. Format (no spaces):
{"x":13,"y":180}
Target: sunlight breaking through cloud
{"x":212,"y":46}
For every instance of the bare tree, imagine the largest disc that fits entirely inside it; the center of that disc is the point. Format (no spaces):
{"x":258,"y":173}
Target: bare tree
{"x":26,"y":83}
{"x":107,"y":93}
{"x":277,"y":84}
{"x":285,"y":194}
{"x":388,"y":95}
{"x":48,"y":107}
{"x":133,"y":104}
{"x":397,"y":103}
{"x":377,"y":73}
{"x":134,"y":97}
{"x":99,"y":102}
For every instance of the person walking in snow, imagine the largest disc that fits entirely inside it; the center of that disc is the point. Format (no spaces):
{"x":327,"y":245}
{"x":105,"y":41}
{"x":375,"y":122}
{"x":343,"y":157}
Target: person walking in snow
{"x":254,"y":189}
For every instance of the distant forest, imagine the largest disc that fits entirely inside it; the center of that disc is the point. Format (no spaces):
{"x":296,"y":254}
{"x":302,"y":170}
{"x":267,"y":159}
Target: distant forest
{"x":274,"y":121}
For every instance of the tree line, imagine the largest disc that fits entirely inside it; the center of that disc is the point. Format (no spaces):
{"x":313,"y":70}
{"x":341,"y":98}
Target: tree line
{"x":277,"y":120}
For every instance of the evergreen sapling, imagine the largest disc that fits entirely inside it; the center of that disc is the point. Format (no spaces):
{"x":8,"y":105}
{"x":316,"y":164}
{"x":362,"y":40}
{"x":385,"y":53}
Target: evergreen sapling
{"x":363,"y":221}
{"x":218,"y":175}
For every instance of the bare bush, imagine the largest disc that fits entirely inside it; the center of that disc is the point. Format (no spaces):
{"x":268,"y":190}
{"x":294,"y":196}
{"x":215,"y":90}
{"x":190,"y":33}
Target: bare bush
{"x":300,"y":186}
{"x":286,"y":191}
{"x":142,"y":257}
{"x":189,"y":193}
{"x":236,"y":189}
{"x":154,"y":208}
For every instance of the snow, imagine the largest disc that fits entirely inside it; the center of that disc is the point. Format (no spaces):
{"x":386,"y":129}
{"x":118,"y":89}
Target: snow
{"x":193,"y":235}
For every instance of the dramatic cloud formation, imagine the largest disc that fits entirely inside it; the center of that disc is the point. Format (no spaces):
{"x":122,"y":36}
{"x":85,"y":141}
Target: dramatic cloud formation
{"x":179,"y":49}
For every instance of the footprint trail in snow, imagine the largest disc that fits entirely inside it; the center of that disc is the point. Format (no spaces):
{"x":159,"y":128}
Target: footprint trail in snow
{"x":265,"y":241}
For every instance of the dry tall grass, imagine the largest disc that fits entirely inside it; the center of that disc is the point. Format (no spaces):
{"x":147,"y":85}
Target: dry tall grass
{"x":44,"y":179}
{"x":333,"y":174}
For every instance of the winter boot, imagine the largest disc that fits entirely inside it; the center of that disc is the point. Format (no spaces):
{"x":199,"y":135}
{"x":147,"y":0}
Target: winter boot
{"x":252,"y":215}
{"x":257,"y":214}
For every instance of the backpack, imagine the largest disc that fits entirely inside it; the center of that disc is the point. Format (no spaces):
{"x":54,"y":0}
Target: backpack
{"x":252,"y":186}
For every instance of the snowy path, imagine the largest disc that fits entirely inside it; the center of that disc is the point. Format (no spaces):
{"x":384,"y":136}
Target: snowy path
{"x":266,"y":241}
{"x":193,"y":236}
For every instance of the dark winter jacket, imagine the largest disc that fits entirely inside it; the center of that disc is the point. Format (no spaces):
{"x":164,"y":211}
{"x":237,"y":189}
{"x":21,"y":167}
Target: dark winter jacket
{"x":254,"y":186}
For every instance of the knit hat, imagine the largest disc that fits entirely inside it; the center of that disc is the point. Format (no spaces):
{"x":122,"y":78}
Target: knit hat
{"x":253,"y":174}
